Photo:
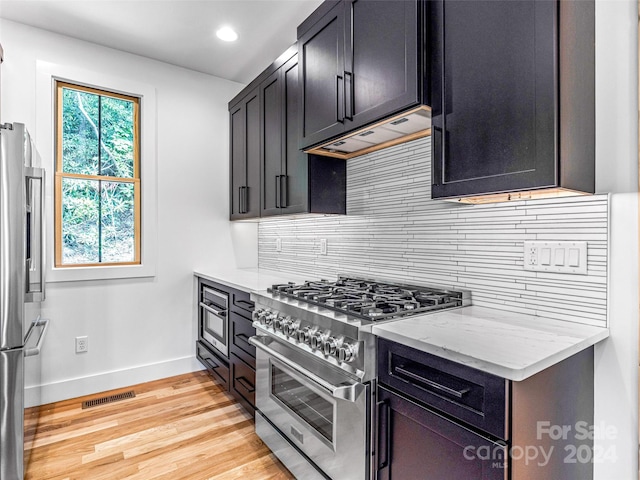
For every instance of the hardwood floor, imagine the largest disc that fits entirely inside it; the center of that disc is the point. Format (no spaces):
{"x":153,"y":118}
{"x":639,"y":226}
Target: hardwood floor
{"x":182,"y":427}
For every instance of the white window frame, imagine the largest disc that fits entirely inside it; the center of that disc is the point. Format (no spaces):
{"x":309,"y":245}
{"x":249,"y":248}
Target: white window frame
{"x":46,"y":76}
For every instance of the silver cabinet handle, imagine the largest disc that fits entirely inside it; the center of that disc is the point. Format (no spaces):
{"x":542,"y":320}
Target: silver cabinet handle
{"x":44,"y":323}
{"x":35,"y":290}
{"x":349,"y":393}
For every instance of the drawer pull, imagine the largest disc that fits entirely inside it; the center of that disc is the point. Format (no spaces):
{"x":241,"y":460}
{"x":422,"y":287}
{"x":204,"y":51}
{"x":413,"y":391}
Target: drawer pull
{"x":210,"y":362}
{"x":248,"y":305}
{"x":243,"y":337}
{"x":451,"y":391}
{"x":384,"y":434}
{"x":245,"y":384}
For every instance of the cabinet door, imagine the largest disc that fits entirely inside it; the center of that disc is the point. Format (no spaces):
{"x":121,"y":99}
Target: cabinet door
{"x":245,"y":157}
{"x":321,"y":55}
{"x":271,"y":152}
{"x":295,"y":188}
{"x":494,"y":96}
{"x":243,"y":383}
{"x":382,"y":63}
{"x":444,"y":450}
{"x":238,"y":165}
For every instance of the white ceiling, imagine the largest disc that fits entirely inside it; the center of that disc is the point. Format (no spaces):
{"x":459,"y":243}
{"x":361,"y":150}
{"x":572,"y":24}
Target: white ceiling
{"x":180,"y":32}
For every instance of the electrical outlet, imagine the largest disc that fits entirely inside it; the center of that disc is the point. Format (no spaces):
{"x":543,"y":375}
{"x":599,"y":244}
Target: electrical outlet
{"x":323,"y":246}
{"x":82,"y":344}
{"x":561,"y":257}
{"x":278,"y":245}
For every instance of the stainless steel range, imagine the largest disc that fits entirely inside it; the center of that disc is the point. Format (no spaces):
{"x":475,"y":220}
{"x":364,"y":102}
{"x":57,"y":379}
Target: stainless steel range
{"x":316,"y":368}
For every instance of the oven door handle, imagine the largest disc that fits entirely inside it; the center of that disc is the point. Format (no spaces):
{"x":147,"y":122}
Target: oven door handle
{"x":219,"y":313}
{"x":349,"y":393}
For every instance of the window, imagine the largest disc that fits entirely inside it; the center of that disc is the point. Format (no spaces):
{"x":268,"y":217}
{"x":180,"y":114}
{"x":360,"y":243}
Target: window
{"x":97,"y":178}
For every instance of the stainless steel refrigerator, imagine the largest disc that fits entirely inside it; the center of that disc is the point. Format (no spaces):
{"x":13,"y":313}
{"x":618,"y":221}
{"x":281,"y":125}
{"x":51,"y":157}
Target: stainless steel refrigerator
{"x":22,"y":286}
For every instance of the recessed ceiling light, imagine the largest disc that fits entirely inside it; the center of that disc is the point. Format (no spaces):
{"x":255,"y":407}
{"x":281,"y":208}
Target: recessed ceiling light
{"x":227,"y":34}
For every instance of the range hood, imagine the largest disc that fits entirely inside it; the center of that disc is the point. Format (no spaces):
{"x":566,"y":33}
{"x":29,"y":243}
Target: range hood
{"x":401,"y":128}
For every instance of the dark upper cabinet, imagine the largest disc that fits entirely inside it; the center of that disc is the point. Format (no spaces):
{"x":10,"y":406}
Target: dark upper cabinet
{"x":284,"y":166}
{"x":321,"y":54}
{"x":244,"y":119}
{"x":271,"y":158}
{"x":361,"y":61}
{"x":270,"y":175}
{"x":382,"y":61}
{"x":513,"y":94}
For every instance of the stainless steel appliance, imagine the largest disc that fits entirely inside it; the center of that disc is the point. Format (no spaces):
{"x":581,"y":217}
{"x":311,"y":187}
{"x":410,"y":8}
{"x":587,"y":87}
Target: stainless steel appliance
{"x":214,"y":319}
{"x":22,"y":286}
{"x":316,"y":368}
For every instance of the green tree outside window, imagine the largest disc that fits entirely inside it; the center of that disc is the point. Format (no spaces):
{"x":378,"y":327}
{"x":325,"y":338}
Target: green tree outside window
{"x":97,"y":187}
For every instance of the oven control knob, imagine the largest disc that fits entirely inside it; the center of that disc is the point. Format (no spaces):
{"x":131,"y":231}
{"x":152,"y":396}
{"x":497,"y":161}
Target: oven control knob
{"x":291,"y":327}
{"x":277,"y":323}
{"x":317,"y":339}
{"x":261,"y":316}
{"x":284,"y":324}
{"x":268,"y":319}
{"x":304,"y":335}
{"x":346,"y":352}
{"x":330,"y":346}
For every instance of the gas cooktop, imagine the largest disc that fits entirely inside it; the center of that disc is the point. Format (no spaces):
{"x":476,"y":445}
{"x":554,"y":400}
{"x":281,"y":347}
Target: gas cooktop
{"x":372,"y":300}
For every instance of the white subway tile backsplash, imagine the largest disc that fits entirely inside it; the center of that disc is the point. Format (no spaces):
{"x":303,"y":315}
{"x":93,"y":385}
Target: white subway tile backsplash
{"x":394,"y":230}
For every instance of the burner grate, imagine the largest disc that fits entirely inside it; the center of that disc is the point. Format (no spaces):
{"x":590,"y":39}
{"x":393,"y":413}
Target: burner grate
{"x":371,"y":300}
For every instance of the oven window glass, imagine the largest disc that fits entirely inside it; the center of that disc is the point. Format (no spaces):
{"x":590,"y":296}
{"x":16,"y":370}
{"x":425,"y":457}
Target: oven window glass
{"x":304,"y":402}
{"x":214,"y":325}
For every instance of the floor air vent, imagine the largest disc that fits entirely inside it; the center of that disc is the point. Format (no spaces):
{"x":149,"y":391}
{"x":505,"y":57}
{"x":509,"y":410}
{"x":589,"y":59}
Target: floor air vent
{"x":110,"y":399}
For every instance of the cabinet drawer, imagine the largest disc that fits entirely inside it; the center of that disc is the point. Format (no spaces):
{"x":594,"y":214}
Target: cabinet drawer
{"x":475,"y":397}
{"x":218,"y":367}
{"x":241,"y":330}
{"x":443,"y":447}
{"x":243,"y":379}
{"x":242,"y":302}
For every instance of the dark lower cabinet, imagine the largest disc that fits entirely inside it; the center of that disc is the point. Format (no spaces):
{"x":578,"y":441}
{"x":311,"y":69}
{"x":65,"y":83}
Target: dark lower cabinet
{"x":414,"y":439}
{"x":216,"y":365}
{"x":441,"y":420}
{"x":241,"y":330}
{"x":513,"y":96}
{"x":242,"y":360}
{"x":235,"y":373}
{"x":243,"y":380}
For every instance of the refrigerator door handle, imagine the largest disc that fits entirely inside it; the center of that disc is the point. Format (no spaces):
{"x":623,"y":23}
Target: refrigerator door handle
{"x":35,"y":262}
{"x":44,"y":323}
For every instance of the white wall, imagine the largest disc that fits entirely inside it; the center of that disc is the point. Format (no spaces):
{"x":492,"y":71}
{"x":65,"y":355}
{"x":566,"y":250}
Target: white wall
{"x":617,"y":171}
{"x":139,"y":329}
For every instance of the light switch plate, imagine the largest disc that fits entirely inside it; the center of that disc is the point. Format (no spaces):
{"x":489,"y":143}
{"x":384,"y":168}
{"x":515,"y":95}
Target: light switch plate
{"x":323,"y":246}
{"x":278,"y":245}
{"x":561,"y":257}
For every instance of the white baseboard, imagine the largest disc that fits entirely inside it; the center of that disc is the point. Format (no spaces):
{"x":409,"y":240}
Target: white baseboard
{"x":100,"y":382}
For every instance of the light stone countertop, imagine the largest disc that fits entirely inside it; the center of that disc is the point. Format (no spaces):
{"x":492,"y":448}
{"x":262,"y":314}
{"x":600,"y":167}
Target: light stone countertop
{"x":510,"y":345}
{"x":249,"y":279}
